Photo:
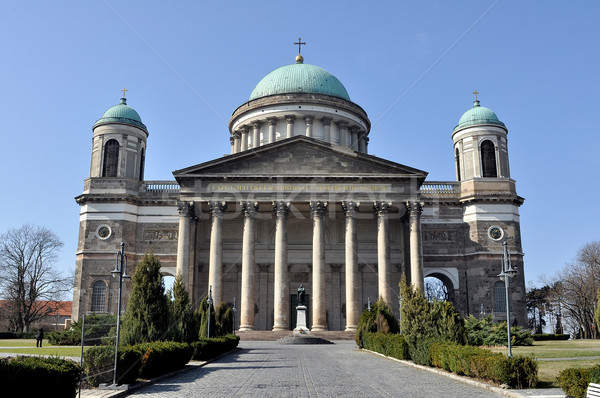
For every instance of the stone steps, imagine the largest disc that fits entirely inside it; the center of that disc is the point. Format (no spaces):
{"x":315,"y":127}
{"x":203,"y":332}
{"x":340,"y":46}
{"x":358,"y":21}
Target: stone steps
{"x":267,"y":335}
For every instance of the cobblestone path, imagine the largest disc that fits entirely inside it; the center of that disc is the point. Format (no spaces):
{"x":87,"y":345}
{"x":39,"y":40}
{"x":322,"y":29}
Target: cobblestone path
{"x":267,"y":369}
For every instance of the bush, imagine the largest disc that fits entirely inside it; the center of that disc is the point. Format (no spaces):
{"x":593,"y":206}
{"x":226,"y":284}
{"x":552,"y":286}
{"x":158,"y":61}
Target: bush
{"x":486,"y":332}
{"x":97,"y":328}
{"x":392,"y":345}
{"x":205,"y":349}
{"x":99,"y":361}
{"x":17,"y":335}
{"x":550,"y":336}
{"x":163,"y":357}
{"x":574,"y":381}
{"x":31,"y":376}
{"x":517,"y":372}
{"x":378,"y":319}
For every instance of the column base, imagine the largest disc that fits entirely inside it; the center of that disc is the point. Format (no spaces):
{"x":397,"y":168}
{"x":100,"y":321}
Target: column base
{"x":351,"y":328}
{"x":245,"y":328}
{"x":319,"y":328}
{"x":279,"y":328}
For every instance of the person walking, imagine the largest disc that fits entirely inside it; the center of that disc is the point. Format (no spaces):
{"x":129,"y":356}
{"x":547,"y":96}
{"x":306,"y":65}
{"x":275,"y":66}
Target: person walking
{"x":39,"y":336}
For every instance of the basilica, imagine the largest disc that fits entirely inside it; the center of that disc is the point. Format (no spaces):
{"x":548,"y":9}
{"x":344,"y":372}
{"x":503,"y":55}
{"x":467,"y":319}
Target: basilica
{"x":299,"y":201}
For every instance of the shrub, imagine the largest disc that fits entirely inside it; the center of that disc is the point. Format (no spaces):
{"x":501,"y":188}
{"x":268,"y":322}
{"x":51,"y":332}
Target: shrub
{"x":183,"y":322}
{"x":17,"y":335}
{"x":550,"y":336}
{"x":574,"y":381}
{"x":205,"y":349}
{"x":98,"y":363}
{"x":486,"y":332}
{"x":31,"y":376}
{"x":392,"y":345}
{"x":378,"y":319}
{"x":163,"y":357}
{"x":97,"y":328}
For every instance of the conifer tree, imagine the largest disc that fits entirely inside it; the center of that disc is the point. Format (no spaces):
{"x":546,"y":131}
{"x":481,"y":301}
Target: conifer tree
{"x":183,"y":325}
{"x":147,"y":316}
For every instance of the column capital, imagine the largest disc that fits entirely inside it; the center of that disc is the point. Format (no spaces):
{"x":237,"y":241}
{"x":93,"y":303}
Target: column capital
{"x":342,"y":124}
{"x":309,"y":119}
{"x":318,"y":209}
{"x":236,"y":134}
{"x":290,"y":118}
{"x":243,"y":129}
{"x":414,"y":208}
{"x":217,"y":207}
{"x":256,"y":124}
{"x":186,"y":209}
{"x":263,"y":267}
{"x":231,"y":140}
{"x":281,"y":209}
{"x":249,"y":208}
{"x":326,"y":121}
{"x":382,"y":208}
{"x":350,"y":208}
{"x":272,"y":121}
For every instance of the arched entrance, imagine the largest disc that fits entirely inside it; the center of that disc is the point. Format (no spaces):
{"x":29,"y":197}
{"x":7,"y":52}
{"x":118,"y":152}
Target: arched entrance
{"x":439,"y":287}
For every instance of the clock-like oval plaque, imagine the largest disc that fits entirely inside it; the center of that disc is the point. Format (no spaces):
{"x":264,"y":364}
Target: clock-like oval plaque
{"x":103,"y":232}
{"x":495,"y":232}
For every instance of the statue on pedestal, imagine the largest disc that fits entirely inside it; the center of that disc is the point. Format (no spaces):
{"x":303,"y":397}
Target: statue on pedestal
{"x":301,"y":295}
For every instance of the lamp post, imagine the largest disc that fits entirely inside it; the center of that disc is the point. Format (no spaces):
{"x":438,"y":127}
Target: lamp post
{"x":400,"y":312}
{"x":234,"y":311}
{"x":209,"y":302}
{"x":507,"y":272}
{"x":121,"y":270}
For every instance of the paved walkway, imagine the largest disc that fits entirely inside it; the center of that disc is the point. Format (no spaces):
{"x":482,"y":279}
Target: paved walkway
{"x":267,"y":369}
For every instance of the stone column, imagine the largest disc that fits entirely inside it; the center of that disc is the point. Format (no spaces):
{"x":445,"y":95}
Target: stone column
{"x":361,"y":141}
{"x":319,"y":302}
{"x":281,"y":308}
{"x":352,"y":288}
{"x":186,"y":214}
{"x":247,"y":303}
{"x":354,"y":138}
{"x":290,"y":125}
{"x":236,"y":143}
{"x":383,"y":252}
{"x":232,"y":142}
{"x":309,"y":125}
{"x":416,"y":248}
{"x":272,"y":124}
{"x":366,"y":139}
{"x":244,"y":131}
{"x":326,"y":129}
{"x":215,"y":270}
{"x":343,"y":131}
{"x":255,"y":134}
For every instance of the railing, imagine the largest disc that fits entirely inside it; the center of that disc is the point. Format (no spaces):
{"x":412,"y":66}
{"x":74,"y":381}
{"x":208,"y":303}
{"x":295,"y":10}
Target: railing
{"x":161,"y":187}
{"x":440,"y":188}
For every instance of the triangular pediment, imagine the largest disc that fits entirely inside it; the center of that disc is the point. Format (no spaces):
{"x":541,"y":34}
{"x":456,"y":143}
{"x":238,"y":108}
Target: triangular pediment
{"x":300,"y":157}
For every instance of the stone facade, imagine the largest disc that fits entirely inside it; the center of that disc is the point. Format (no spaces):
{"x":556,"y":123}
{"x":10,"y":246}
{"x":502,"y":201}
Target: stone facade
{"x":301,"y":205}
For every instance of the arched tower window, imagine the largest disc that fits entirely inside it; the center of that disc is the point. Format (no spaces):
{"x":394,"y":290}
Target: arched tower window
{"x":99,"y":297}
{"x":457,"y":158}
{"x":488,"y":159}
{"x":110,"y":162}
{"x":142,"y":161}
{"x":499,"y":297}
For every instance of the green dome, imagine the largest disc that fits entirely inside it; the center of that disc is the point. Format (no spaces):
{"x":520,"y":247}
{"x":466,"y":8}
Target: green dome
{"x":478,"y":115}
{"x":299,"y":78}
{"x":121,"y":113}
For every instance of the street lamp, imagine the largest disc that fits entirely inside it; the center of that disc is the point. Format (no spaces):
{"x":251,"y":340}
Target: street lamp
{"x":121,"y":270}
{"x":507,"y":272}
{"x":234,"y":311}
{"x":209,"y":301}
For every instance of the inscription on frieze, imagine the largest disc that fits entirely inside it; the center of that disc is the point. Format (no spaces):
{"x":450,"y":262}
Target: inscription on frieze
{"x":160,"y":234}
{"x":439,"y":236}
{"x":296,"y":187}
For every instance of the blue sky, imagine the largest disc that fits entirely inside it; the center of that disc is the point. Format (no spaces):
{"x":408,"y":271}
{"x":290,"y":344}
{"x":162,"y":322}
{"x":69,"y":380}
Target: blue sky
{"x":411,"y":65}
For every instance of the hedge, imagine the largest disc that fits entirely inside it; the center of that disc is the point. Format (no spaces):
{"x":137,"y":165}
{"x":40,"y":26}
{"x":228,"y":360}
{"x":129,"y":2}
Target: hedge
{"x":205,"y":349}
{"x":163,"y":357}
{"x":550,"y":336}
{"x":574,"y":381}
{"x":17,"y":335}
{"x":30,"y":376}
{"x":517,"y":372}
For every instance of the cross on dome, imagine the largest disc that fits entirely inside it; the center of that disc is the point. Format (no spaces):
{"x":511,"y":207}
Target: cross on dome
{"x":124,"y":89}
{"x":299,"y":57}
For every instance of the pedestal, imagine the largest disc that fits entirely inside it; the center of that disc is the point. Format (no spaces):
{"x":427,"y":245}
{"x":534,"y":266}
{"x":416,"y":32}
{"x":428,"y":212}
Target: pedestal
{"x":301,"y":320}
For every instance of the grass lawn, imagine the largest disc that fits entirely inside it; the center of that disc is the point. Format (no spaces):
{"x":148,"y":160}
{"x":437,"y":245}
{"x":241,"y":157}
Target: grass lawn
{"x":571,"y":352}
{"x":47,"y":349}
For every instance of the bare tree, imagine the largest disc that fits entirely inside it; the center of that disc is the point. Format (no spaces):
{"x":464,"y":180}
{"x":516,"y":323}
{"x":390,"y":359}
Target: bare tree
{"x":28,"y":280}
{"x":576,"y":290}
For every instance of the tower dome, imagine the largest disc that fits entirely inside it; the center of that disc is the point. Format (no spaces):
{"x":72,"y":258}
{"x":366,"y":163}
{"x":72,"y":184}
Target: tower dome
{"x":478,"y":115}
{"x":121,"y":113}
{"x":299,"y":78}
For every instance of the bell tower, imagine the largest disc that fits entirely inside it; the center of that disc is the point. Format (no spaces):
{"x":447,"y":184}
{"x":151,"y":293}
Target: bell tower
{"x":119,"y":143}
{"x":480,"y":144}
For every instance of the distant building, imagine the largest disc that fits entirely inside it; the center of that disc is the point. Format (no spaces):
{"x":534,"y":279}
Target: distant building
{"x":300,"y":201}
{"x":57,"y":315}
